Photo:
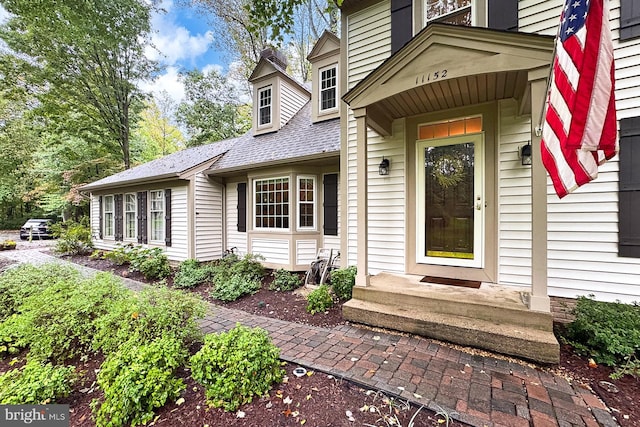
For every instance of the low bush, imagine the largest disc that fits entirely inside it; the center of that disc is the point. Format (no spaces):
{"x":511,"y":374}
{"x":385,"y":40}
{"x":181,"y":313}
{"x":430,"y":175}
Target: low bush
{"x":284,"y":280}
{"x":36,"y":383}
{"x":155,"y":267}
{"x":319,"y":300}
{"x":148,"y":315}
{"x":236,"y":366}
{"x":59,"y":322}
{"x":232,"y":288}
{"x":74,"y":238}
{"x":120,"y":255}
{"x":137,"y":379}
{"x":233,"y":277}
{"x":343,"y":281}
{"x":191,"y":274}
{"x":608,"y":332}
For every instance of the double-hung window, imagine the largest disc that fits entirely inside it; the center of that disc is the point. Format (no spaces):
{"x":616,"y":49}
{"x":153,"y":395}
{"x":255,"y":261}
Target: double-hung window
{"x":448,"y":11}
{"x":265,"y":98}
{"x":130,"y":223}
{"x":157,"y":216}
{"x":328,"y":88}
{"x":306,"y":202}
{"x":108,"y":216}
{"x":271,"y":207}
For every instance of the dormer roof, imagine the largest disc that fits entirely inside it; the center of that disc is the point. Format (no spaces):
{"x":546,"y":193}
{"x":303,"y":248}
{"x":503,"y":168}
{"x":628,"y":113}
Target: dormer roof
{"x":327,"y":45}
{"x":267,"y":68}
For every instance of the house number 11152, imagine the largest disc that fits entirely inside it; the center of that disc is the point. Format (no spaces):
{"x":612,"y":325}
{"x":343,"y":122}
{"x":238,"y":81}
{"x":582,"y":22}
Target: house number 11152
{"x":431,"y":76}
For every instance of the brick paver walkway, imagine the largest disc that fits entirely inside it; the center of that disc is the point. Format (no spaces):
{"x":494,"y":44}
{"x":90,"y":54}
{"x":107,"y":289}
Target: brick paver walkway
{"x":478,"y":390}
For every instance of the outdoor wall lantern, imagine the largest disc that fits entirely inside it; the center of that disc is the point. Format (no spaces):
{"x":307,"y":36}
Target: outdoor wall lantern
{"x":525,"y":154}
{"x":383,"y":169}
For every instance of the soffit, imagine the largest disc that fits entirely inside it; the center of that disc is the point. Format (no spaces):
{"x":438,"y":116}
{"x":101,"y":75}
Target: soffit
{"x":448,"y":66}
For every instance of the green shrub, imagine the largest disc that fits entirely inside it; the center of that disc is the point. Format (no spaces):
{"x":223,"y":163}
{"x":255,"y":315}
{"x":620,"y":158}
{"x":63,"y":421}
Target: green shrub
{"x":120,"y":255}
{"x":234,"y":287}
{"x":284,"y":280}
{"x":191,"y":274}
{"x":343,"y":281}
{"x":74,"y":238}
{"x":19,"y":283}
{"x":608,"y":332}
{"x":319,"y":300}
{"x":59,"y":322}
{"x":35,"y":383}
{"x":137,"y":379}
{"x":148,"y":315}
{"x":235,"y":366}
{"x":155,"y":267}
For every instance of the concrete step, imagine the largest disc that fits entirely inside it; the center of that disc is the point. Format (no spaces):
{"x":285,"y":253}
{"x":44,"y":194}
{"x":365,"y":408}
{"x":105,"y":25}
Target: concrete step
{"x":507,"y":308}
{"x":528,"y":343}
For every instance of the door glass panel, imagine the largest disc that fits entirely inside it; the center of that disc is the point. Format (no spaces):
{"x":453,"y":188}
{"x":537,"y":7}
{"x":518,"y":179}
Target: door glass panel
{"x":449,"y":201}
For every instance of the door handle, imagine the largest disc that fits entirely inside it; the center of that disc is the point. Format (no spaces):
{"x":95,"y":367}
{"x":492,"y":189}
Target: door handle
{"x":478,"y":203}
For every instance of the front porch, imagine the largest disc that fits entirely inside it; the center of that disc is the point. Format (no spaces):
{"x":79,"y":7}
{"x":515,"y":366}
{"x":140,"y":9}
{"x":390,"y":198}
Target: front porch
{"x":493,"y":317}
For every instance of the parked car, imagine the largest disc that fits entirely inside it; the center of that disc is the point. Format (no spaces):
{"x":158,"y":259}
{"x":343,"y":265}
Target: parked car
{"x":37,"y":229}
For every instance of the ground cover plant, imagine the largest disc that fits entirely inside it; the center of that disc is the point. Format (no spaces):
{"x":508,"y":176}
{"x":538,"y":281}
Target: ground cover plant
{"x":608,"y":332}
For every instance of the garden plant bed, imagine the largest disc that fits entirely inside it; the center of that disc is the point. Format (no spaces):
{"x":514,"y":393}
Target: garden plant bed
{"x":291,"y":306}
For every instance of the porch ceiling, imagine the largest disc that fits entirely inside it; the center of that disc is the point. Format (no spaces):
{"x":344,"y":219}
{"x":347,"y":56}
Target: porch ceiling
{"x":457,"y":92}
{"x":448,"y":66}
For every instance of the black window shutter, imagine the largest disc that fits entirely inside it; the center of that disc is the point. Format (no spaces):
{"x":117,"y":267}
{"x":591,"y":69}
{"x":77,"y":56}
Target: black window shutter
{"x":629,"y":188}
{"x":401,"y":23}
{"x":330,"y":191}
{"x":117,"y":200}
{"x":101,"y":216}
{"x":503,"y":14}
{"x":167,"y":217}
{"x":142,"y":217}
{"x":242,"y":206}
{"x":629,"y":19}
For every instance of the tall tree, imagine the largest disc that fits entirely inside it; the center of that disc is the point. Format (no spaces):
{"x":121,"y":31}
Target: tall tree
{"x":85,"y":58}
{"x":154,"y":136}
{"x":211,"y":111}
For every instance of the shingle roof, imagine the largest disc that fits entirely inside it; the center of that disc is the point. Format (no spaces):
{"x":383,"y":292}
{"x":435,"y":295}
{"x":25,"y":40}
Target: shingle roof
{"x":299,"y":138}
{"x":169,"y":166}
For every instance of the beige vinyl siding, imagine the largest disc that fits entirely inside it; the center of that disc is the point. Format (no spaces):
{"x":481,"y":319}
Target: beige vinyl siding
{"x":514,"y":210}
{"x":178,"y":251}
{"x":208,"y":219}
{"x":306,"y":251}
{"x":291,"y":101}
{"x":583,"y":227}
{"x":369,"y":44}
{"x":235,"y":238}
{"x":275,"y":251}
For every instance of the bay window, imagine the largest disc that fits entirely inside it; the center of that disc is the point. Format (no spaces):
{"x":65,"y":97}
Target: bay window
{"x":271,"y":207}
{"x":306,"y":202}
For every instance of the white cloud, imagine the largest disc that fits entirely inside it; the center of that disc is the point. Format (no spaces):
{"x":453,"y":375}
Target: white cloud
{"x":173,"y":42}
{"x":169,"y":82}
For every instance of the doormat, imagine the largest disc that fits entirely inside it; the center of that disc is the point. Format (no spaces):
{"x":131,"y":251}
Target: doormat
{"x":453,"y":282}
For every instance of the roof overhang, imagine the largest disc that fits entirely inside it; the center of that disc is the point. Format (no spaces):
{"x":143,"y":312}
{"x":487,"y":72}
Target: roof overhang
{"x":448,"y":66}
{"x":309,"y":160}
{"x":131,"y":183}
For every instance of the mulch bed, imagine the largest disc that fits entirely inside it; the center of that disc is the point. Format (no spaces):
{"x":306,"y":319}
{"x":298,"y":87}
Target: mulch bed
{"x":329,"y":398}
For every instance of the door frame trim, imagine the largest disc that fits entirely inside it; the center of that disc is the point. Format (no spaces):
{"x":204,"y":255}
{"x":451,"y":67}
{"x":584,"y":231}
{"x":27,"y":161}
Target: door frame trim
{"x":478,"y":215}
{"x":488,"y":272}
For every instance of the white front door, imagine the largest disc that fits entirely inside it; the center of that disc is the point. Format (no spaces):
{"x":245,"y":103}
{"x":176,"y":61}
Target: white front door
{"x":450,"y":201}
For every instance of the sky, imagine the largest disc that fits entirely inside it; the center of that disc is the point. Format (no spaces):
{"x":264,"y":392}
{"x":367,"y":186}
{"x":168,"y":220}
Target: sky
{"x":184,"y":39}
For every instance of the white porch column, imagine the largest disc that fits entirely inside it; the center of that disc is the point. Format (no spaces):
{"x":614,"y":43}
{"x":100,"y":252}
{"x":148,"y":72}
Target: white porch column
{"x":539,"y":295}
{"x":362,"y":199}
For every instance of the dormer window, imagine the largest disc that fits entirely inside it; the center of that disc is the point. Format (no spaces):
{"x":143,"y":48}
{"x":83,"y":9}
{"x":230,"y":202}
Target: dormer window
{"x":328,"y":88}
{"x":448,"y":11}
{"x":265,"y":103}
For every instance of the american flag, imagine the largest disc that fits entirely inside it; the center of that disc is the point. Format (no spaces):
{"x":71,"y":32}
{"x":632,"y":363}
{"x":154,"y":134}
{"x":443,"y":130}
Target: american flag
{"x":580,"y":129}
